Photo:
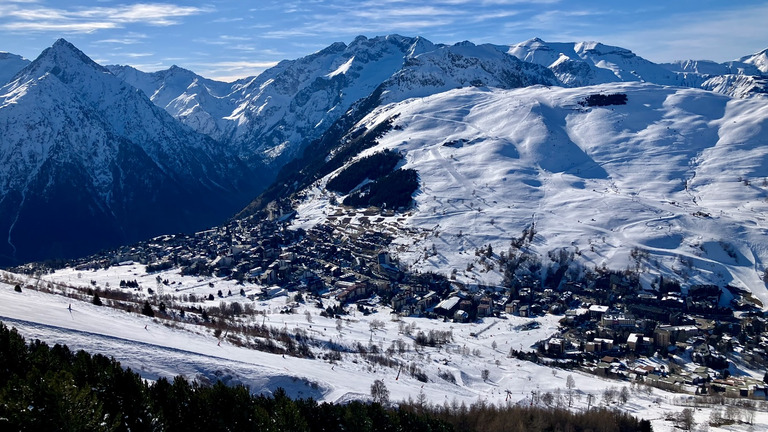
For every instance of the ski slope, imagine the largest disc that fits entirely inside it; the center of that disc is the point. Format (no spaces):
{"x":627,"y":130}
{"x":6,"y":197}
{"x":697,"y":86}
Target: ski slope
{"x":680,"y":174}
{"x":154,"y":349}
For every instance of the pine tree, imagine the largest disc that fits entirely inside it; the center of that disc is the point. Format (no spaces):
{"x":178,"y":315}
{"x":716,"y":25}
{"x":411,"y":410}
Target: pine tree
{"x":147,"y":310}
{"x":96,"y":300}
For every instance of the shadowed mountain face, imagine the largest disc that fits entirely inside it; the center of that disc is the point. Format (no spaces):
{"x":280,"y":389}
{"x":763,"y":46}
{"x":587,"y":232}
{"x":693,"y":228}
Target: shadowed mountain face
{"x":89,"y":162}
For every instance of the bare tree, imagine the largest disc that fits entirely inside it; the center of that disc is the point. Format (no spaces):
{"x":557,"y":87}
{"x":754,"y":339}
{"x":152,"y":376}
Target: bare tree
{"x":749,"y":411}
{"x":685,"y":419}
{"x":570,"y":384}
{"x":609,"y":394}
{"x":624,"y":395}
{"x":548,"y":398}
{"x":733,"y":413}
{"x":379,"y":392}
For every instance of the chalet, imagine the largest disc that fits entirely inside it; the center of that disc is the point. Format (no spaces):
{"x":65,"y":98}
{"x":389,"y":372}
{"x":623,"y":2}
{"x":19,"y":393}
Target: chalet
{"x":525,"y":311}
{"x":556,"y":346}
{"x":427,"y":301}
{"x":644,"y":370}
{"x":485,"y":308}
{"x":275,"y":291}
{"x":400,"y":300}
{"x":222,"y":262}
{"x":269,"y":276}
{"x":632,"y":341}
{"x":599,"y":345}
{"x":461,"y":316}
{"x":512,"y":307}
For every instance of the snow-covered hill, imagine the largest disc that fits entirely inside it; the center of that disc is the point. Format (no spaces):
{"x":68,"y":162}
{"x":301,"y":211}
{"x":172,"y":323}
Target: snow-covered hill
{"x":10,"y":65}
{"x":87,"y":162}
{"x":675,"y":182}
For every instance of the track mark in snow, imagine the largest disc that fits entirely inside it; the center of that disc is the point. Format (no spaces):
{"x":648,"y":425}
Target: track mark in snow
{"x":16,"y":219}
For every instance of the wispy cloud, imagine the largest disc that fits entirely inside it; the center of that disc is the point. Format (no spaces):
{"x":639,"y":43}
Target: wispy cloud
{"x":29,"y":16}
{"x":138,"y":55}
{"x":131,"y":39}
{"x":232,"y":70}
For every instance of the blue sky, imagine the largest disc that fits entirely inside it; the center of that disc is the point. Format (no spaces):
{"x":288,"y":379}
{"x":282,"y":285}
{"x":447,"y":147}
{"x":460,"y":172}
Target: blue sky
{"x":226,"y":39}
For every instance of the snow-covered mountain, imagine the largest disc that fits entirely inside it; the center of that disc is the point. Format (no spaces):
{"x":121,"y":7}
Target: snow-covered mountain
{"x":755,"y":64}
{"x":273,"y":116}
{"x":87,"y":161}
{"x":198,"y":102}
{"x":673,"y":183}
{"x":589,"y":63}
{"x":10,"y":65}
{"x":270,"y":117}
{"x":758,"y":60}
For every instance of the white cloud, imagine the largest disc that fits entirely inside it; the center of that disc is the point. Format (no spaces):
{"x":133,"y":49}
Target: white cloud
{"x":138,"y":55}
{"x":71,"y":27}
{"x":241,"y":64}
{"x":232,"y":70}
{"x":29,"y":16}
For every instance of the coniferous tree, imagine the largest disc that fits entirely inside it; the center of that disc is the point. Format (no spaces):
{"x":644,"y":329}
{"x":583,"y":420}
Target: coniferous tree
{"x":147,"y":310}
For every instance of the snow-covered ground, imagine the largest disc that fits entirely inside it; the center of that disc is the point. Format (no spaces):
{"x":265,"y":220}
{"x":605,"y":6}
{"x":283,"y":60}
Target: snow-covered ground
{"x":155,"y":349}
{"x":678,"y":174}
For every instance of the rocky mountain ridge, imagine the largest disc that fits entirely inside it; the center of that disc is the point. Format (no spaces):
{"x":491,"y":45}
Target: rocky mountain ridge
{"x":89,"y":162}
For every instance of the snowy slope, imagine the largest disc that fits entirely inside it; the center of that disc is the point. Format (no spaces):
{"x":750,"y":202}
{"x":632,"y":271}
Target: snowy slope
{"x":87,"y":161}
{"x":154,"y":349}
{"x":758,"y":60}
{"x":10,"y":65}
{"x":678,"y":173}
{"x":462,"y":65}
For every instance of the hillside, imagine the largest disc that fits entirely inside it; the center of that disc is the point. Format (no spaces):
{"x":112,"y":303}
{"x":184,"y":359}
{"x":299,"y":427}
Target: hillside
{"x":89,"y":162}
{"x":677,"y":174}
{"x":169,"y":345}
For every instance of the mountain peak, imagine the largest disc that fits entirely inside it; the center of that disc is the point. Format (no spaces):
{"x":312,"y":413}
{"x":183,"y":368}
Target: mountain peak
{"x":63,"y":43}
{"x":61,"y":59}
